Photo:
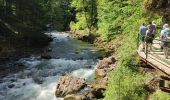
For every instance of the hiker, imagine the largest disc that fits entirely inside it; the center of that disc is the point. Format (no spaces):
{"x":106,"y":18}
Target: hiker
{"x":154,"y":23}
{"x":165,"y":39}
{"x":142,"y":32}
{"x":162,"y":31}
{"x":149,"y":38}
{"x":153,"y":28}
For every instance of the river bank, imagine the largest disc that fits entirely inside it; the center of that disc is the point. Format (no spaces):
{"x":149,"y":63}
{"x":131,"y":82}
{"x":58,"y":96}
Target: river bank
{"x":151,"y":78}
{"x":37,"y":79}
{"x":96,"y":88}
{"x":14,"y":49}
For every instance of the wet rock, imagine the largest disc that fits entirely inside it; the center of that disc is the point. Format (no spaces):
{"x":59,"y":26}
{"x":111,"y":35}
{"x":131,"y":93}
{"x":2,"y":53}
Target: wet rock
{"x":19,"y":64}
{"x":74,"y":97}
{"x":88,"y":67}
{"x":49,"y":49}
{"x":68,"y":36}
{"x":24,"y":84}
{"x":38,"y":80}
{"x":50,"y":39}
{"x":68,"y":85}
{"x":11,"y":86}
{"x":81,"y":58}
{"x":45,"y":56}
{"x":76,"y":52}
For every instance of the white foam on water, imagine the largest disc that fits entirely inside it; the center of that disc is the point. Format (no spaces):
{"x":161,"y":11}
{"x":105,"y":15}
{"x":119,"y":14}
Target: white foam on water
{"x":83,"y":73}
{"x":38,"y":81}
{"x":58,"y":36}
{"x":49,"y":71}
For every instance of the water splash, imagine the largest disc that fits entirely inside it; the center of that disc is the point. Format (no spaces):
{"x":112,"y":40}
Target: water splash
{"x":39,"y":79}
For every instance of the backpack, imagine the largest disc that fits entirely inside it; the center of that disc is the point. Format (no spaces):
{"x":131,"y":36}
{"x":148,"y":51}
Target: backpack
{"x":149,"y":33}
{"x":166,"y":33}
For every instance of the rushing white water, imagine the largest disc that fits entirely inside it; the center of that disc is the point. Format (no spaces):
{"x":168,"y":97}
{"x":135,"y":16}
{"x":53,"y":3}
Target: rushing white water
{"x":39,"y":79}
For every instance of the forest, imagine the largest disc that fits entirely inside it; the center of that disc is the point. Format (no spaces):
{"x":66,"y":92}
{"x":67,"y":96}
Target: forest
{"x":110,"y":25}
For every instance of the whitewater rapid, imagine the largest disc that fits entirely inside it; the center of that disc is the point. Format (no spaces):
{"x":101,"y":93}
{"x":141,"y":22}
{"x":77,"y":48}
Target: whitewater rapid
{"x":39,"y":79}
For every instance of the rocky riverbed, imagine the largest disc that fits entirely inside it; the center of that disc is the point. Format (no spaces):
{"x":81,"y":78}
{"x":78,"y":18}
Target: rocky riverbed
{"x":74,"y":88}
{"x":36,"y":76}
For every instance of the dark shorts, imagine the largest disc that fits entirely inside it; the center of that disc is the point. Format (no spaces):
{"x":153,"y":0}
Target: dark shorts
{"x":149,"y":39}
{"x":153,"y":36}
{"x":165,"y":43}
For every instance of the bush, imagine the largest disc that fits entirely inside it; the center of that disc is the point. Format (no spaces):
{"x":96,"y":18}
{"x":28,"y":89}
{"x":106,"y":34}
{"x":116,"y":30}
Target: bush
{"x":160,"y":96}
{"x":125,"y":85}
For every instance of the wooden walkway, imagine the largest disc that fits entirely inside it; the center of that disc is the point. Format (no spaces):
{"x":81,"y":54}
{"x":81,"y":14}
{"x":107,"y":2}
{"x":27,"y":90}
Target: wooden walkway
{"x":156,"y":58}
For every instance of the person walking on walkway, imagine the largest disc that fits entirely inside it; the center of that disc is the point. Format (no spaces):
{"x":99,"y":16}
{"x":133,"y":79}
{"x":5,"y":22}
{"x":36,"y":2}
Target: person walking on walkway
{"x":152,"y":25}
{"x":142,"y":33}
{"x":165,"y":39}
{"x":148,"y":38}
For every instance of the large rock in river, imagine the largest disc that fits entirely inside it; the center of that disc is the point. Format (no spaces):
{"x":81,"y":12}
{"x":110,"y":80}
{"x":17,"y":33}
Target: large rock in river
{"x":46,"y":55}
{"x":69,"y":85}
{"x":105,"y":66}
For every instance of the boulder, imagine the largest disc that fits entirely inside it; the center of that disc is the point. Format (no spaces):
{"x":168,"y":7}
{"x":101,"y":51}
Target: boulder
{"x":106,"y":62}
{"x":50,"y":39}
{"x":68,"y":85}
{"x":104,"y":67}
{"x":46,"y":56}
{"x":11,"y":86}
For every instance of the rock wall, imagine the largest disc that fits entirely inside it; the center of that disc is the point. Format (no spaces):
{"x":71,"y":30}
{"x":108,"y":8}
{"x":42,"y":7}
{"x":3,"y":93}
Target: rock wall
{"x":161,"y":7}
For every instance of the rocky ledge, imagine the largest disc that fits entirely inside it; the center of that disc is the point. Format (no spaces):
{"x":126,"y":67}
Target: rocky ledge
{"x":73,"y":88}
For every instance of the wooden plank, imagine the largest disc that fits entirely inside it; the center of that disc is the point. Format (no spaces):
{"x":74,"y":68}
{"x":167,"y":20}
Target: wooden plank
{"x":155,"y":62}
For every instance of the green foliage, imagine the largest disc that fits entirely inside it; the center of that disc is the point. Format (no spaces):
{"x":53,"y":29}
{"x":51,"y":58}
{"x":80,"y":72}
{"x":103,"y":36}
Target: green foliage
{"x":86,"y":15}
{"x":160,"y":96}
{"x":125,"y":85}
{"x":122,"y":18}
{"x":116,"y":17}
{"x":109,"y":19}
{"x":35,"y":14}
{"x":80,"y":24}
{"x":119,"y":19}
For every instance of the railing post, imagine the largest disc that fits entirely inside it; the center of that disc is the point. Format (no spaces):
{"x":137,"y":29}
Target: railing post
{"x":146,"y":50}
{"x":138,"y":41}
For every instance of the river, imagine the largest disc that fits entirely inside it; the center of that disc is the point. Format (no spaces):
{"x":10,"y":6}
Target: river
{"x":39,"y":79}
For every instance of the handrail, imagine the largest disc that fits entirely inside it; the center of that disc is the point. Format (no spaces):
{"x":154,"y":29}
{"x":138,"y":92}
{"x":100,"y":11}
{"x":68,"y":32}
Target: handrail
{"x":146,"y":51}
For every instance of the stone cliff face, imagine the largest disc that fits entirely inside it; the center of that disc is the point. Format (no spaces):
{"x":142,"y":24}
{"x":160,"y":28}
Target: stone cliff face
{"x":161,"y":7}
